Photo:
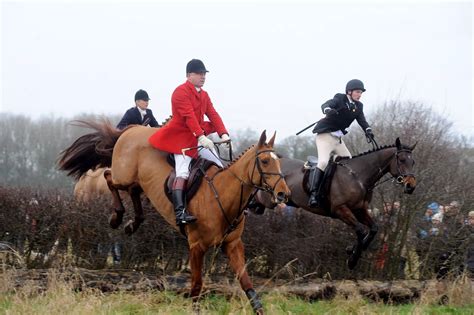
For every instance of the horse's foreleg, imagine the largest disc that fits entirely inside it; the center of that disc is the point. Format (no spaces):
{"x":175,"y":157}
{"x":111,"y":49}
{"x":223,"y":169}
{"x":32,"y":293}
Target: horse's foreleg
{"x":133,"y":225}
{"x":196,"y":257}
{"x":235,"y":252}
{"x":345,"y":214}
{"x":365,"y":218}
{"x":118,"y":209}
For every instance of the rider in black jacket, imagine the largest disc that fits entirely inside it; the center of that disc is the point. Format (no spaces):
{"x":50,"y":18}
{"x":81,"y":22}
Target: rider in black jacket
{"x":340,"y":112}
{"x":140,"y":114}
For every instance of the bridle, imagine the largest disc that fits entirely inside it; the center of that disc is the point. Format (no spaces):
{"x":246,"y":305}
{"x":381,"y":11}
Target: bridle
{"x":401,"y":176}
{"x":263,"y":185}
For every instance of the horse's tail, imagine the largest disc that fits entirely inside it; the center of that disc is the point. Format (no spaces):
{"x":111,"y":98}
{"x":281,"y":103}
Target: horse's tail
{"x":90,"y":150}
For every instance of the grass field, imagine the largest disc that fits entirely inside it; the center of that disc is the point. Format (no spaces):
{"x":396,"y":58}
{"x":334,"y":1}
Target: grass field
{"x":60,"y":298}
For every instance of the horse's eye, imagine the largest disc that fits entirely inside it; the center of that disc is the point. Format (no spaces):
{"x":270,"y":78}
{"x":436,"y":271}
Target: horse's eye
{"x":403,"y":160}
{"x":265,"y":162}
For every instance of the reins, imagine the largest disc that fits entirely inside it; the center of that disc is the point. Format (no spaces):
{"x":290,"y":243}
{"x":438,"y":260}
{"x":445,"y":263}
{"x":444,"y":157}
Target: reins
{"x":263,"y":185}
{"x":399,"y":178}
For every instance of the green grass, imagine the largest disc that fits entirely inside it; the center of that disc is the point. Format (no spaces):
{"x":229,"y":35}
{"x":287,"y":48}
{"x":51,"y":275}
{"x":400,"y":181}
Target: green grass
{"x":64,"y":301}
{"x":60,"y":298}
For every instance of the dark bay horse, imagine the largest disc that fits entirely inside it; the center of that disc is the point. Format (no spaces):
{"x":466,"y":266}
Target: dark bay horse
{"x":218,"y":203}
{"x":350,"y":190}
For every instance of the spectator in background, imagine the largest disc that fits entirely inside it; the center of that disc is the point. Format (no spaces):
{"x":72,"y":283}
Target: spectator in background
{"x":436,"y":228}
{"x":450,"y":243}
{"x":285,"y":209}
{"x":387,"y":224}
{"x":426,"y":225}
{"x":452,"y":216}
{"x":431,"y":209}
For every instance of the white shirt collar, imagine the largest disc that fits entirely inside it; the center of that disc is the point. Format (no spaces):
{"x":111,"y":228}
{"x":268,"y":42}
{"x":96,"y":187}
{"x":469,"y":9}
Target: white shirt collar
{"x":142,"y":111}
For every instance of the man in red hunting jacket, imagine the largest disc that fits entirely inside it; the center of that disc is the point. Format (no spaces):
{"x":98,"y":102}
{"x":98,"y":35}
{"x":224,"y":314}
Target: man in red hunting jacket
{"x":187,"y":128}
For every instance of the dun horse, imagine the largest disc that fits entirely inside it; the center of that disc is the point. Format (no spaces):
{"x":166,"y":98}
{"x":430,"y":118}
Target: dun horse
{"x":350,"y":191}
{"x":92,"y":184}
{"x":218,"y":203}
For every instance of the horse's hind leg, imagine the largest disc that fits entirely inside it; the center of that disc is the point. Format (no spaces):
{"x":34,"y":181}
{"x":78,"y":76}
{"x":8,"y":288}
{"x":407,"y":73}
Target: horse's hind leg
{"x":133,"y":225}
{"x":235,"y":252}
{"x":345,"y":214}
{"x":117,"y":216}
{"x":364,"y":217}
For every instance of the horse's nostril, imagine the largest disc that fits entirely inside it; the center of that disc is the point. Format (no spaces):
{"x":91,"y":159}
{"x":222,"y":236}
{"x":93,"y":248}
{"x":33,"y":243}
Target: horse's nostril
{"x":409,"y":189}
{"x":281,"y":196}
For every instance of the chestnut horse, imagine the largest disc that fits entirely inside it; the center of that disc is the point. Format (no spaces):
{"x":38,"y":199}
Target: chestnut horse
{"x":218,"y":203}
{"x":350,"y":190}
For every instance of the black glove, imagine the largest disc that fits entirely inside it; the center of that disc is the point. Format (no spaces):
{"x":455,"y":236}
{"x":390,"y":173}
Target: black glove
{"x":330,"y":111}
{"x":369,"y":133}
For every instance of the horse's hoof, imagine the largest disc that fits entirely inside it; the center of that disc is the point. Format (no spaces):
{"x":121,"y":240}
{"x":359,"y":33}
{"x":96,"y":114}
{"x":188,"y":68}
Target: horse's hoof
{"x":114,"y":222}
{"x":259,"y":311}
{"x":128,"y":229}
{"x":351,"y":263}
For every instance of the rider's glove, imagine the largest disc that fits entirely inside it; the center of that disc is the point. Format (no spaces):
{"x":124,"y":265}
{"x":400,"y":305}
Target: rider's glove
{"x":328,"y":111}
{"x":369,"y":133}
{"x":205,"y":142}
{"x":225,"y":137}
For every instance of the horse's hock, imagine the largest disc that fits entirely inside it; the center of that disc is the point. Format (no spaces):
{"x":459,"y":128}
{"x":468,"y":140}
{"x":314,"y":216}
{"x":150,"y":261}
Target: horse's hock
{"x":400,"y":291}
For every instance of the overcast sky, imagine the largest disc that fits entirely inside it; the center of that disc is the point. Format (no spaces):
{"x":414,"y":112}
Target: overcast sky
{"x":272,"y":64}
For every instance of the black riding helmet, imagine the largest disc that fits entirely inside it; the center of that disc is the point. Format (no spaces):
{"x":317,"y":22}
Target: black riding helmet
{"x":141,"y":95}
{"x":355,"y":84}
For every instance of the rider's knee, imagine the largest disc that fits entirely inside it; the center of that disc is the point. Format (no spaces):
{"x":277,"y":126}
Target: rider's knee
{"x":322,"y":164}
{"x":182,"y":174}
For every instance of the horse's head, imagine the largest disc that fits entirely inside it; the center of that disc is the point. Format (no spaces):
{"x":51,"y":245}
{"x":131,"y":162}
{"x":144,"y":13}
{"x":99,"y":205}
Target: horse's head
{"x":266,"y":173}
{"x":402,"y":167}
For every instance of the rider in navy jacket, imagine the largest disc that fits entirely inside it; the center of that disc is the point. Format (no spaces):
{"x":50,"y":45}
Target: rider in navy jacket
{"x":140,"y":114}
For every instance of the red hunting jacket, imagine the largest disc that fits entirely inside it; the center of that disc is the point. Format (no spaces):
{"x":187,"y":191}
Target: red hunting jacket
{"x":187,"y":124}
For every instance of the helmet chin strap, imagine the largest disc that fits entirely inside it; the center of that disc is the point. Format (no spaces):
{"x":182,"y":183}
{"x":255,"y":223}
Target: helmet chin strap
{"x":349,"y":95}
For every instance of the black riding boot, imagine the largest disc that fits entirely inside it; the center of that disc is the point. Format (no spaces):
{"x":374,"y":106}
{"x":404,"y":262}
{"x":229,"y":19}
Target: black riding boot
{"x":182,"y":216}
{"x":315,"y":180}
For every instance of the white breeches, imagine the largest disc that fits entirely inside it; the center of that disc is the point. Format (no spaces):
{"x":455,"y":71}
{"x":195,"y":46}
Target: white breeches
{"x":328,"y":144}
{"x":182,"y":161}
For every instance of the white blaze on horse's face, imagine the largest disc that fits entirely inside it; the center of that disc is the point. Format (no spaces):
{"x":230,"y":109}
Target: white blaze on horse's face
{"x":274,"y":156}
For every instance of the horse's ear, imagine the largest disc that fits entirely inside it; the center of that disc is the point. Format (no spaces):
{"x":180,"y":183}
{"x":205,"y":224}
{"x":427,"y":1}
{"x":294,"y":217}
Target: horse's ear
{"x":272,"y":140}
{"x":413,"y":147}
{"x":263,"y":138}
{"x":398,"y":144}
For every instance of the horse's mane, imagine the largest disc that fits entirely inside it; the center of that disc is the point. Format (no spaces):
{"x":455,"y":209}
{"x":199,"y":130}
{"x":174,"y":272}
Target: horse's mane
{"x":240,"y":155}
{"x":166,"y":121}
{"x":405,"y":147}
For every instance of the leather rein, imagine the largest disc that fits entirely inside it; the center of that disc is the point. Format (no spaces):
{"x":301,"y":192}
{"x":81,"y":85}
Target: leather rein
{"x":262,"y":185}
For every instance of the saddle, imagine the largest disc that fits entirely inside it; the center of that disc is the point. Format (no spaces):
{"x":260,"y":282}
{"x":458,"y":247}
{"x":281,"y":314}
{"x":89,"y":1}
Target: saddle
{"x":198,"y":168}
{"x":327,"y":177}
